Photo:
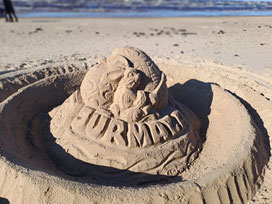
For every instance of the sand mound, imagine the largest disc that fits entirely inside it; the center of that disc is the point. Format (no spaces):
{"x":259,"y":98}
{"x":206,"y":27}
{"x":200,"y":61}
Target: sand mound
{"x":122,"y":118}
{"x":230,"y":166}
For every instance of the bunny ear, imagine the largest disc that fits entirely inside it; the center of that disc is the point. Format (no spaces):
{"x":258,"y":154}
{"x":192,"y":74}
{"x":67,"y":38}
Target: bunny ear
{"x":118,"y":61}
{"x":113,"y":75}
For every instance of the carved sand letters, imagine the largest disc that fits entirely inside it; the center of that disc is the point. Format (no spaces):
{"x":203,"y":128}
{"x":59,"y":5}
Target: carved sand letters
{"x":114,"y":131}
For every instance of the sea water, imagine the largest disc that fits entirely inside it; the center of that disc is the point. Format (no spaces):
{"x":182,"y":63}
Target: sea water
{"x":152,"y":13}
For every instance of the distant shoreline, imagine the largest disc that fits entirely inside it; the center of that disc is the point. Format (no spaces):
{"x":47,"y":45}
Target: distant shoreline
{"x":142,"y":14}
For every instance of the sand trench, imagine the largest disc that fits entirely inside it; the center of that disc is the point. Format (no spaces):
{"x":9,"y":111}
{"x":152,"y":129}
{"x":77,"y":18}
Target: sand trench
{"x":230,"y":167}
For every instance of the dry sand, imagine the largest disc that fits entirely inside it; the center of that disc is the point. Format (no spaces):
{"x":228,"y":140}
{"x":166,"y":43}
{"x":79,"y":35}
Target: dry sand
{"x":233,"y":53}
{"x":238,"y":41}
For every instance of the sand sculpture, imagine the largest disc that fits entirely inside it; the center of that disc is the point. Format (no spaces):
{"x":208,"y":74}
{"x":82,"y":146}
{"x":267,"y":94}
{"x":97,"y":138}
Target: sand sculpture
{"x":124,"y":113}
{"x":123,"y":131}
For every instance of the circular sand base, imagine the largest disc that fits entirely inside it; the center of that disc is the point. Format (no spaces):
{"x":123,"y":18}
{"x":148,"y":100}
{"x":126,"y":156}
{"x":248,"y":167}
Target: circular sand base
{"x":229,"y":168}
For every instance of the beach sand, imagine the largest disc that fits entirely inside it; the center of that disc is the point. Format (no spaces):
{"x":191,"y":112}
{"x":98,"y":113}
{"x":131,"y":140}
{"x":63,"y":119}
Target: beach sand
{"x":242,"y":42}
{"x":233,"y":52}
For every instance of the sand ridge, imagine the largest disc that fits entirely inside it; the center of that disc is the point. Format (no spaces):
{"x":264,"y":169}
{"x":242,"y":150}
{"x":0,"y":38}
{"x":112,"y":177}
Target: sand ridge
{"x":253,"y":91}
{"x":182,"y":75}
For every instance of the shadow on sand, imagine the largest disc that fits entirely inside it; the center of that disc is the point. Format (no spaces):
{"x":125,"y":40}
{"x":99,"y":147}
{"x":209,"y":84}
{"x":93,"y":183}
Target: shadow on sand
{"x":194,"y":94}
{"x":197,"y":96}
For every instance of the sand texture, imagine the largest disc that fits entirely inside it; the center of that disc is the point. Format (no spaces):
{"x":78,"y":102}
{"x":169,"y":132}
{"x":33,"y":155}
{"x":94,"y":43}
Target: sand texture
{"x":230,"y":152}
{"x":122,"y":117}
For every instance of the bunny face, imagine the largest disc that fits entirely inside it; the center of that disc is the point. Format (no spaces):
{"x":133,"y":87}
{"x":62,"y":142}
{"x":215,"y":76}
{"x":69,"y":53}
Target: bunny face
{"x":131,"y":78}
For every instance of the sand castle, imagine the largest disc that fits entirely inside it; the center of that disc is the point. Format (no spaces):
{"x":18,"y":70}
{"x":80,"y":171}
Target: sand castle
{"x":124,"y":116}
{"x":123,"y":131}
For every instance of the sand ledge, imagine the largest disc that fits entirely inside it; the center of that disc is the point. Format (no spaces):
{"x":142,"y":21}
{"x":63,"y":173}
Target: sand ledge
{"x":30,"y":175}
